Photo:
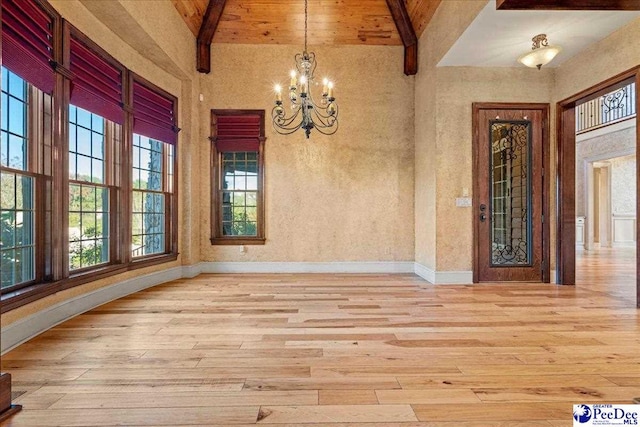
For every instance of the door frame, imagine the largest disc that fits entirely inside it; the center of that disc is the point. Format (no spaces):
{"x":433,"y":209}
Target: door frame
{"x":566,"y":182}
{"x":545,"y":108}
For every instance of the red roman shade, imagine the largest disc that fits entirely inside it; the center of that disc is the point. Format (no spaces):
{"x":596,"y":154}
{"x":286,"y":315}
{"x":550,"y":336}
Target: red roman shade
{"x":238,"y":133}
{"x":154,"y":114}
{"x":27,"y":42}
{"x":97,"y":84}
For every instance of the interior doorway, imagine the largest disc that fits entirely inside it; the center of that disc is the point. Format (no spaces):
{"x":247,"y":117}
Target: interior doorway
{"x":598,"y":184}
{"x":606,"y":189}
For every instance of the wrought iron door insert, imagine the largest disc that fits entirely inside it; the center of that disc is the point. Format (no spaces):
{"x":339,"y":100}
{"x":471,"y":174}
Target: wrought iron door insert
{"x":510,"y":193}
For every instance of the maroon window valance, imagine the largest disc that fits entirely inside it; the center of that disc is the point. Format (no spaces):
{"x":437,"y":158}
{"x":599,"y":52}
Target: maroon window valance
{"x":153,"y":114}
{"x":97,"y":84}
{"x":27,"y":42}
{"x":238,"y":133}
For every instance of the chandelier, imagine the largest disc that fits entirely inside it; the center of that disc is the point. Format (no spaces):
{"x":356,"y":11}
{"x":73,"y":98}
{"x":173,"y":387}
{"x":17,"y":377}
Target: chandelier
{"x":306,"y":113}
{"x":541,"y":52}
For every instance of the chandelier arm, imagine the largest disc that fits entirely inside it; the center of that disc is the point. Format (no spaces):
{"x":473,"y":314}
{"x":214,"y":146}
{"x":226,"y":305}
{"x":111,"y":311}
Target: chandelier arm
{"x":282,"y":128}
{"x":327,"y":130}
{"x":320,"y":121}
{"x":325,"y":123}
{"x":282,"y":120}
{"x":320,"y":111}
{"x":286,"y":131}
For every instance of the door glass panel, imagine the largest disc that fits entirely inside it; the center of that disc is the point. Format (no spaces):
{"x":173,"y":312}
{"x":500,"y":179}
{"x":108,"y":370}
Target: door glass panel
{"x":510,"y":193}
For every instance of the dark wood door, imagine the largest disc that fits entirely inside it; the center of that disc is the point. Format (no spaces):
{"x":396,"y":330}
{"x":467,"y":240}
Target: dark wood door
{"x":509,"y":194}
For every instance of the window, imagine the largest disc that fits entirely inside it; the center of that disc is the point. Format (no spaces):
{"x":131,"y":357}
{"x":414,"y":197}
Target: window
{"x":18,"y":185}
{"x":152,"y":187}
{"x":238,"y":170}
{"x":80,"y":215}
{"x":88,"y":193}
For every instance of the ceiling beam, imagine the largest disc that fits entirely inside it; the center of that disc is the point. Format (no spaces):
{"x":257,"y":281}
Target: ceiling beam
{"x":205,"y":35}
{"x":407,"y":35}
{"x":421,"y":13}
{"x":568,"y":4}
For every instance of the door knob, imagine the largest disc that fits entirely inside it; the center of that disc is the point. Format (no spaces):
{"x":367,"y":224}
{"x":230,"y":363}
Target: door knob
{"x":483,"y":217}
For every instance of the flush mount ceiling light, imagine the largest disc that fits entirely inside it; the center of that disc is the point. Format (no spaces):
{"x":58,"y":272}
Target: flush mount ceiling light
{"x":541,"y":54}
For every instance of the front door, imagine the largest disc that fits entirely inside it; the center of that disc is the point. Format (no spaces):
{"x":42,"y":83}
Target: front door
{"x":509,"y":193}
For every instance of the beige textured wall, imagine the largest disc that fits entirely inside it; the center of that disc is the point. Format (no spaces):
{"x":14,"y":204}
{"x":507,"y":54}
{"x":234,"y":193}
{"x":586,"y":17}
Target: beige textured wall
{"x":623,"y":185}
{"x":448,"y":23}
{"x":169,"y":78}
{"x":602,"y":147}
{"x":347,"y":197}
{"x":444,"y":96}
{"x":614,"y":54}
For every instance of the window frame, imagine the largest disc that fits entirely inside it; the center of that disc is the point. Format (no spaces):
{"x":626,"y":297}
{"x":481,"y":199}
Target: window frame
{"x":107,"y":185}
{"x":34,"y":169}
{"x":217,"y":237}
{"x":50,"y":126}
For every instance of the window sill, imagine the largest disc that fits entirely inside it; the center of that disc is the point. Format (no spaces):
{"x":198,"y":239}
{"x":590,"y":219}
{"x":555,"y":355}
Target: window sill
{"x":14,"y":299}
{"x":238,"y":240}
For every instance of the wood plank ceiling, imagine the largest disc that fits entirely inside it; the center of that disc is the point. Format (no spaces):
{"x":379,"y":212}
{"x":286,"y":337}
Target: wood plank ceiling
{"x":331,"y":22}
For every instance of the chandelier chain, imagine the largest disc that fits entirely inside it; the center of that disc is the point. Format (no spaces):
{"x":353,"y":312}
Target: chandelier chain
{"x":305,"y":24}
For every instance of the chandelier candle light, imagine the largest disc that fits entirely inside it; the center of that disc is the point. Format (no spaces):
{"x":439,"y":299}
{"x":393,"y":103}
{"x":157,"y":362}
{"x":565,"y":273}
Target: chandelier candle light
{"x":306,"y":113}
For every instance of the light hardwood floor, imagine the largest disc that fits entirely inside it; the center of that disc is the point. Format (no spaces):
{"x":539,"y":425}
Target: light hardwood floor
{"x":339,"y":350}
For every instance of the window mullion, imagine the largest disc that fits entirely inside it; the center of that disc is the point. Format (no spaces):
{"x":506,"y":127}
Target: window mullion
{"x":60,"y":167}
{"x":125,"y":151}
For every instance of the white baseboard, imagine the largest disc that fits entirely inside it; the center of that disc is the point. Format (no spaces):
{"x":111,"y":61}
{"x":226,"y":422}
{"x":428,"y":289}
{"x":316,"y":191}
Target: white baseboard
{"x":426,"y":273}
{"x":454,"y":277}
{"x":26,"y":328}
{"x":443,"y":277}
{"x":362,"y":267}
{"x":191,"y":271}
{"x":629,"y":244}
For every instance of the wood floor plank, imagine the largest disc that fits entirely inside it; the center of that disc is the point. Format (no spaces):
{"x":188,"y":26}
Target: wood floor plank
{"x":138,"y":386}
{"x":393,"y":371}
{"x":335,"y":414}
{"x":432,"y":396}
{"x":132,"y":374}
{"x":221,"y":415}
{"x":521,"y":412}
{"x":566,"y":369}
{"x":358,"y":383}
{"x":347,"y":397}
{"x":502,"y":381}
{"x":186,"y":400}
{"x":559,"y":394}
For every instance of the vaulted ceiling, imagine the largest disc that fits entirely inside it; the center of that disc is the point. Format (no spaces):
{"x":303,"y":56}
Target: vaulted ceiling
{"x":331,"y":22}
